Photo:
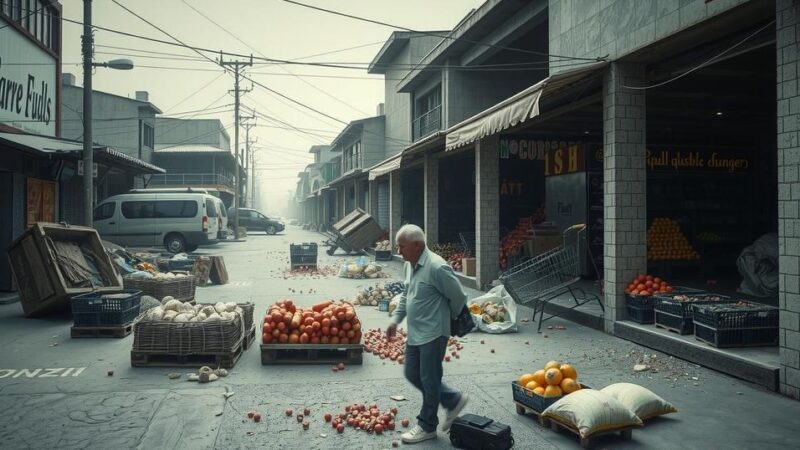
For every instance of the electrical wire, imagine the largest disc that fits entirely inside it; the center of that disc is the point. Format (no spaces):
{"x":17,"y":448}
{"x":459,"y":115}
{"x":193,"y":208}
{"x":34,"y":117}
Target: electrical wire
{"x":196,"y":91}
{"x":439,"y":35}
{"x":19,"y":21}
{"x":701,"y":65}
{"x":327,"y":94}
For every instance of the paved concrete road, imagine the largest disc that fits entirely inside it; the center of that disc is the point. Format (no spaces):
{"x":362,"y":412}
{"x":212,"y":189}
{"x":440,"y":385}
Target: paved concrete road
{"x":56,"y":392}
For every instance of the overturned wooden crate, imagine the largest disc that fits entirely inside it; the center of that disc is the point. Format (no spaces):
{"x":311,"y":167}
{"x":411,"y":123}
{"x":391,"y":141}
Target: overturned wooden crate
{"x":354,"y":232}
{"x":52,"y":263}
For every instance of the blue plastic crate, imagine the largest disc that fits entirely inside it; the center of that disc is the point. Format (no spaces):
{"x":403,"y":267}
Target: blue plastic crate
{"x":98,"y":309}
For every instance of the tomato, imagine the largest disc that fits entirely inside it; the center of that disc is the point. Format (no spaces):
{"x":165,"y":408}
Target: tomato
{"x":334,"y":331}
{"x":294,"y":339}
{"x":635,"y":292}
{"x":267,"y":328}
{"x":326,"y":323}
{"x":308,"y":320}
{"x":324,"y":340}
{"x":282,"y":326}
{"x":344,"y":340}
{"x":346,"y":326}
{"x":304,"y":338}
{"x":657,"y":280}
{"x":316,"y":326}
{"x":334,"y":322}
{"x":649,"y":278}
{"x":335,"y":340}
{"x":283,"y":338}
{"x":351,"y":334}
{"x":315,"y":340}
{"x":265,"y":338}
{"x":648,"y":284}
{"x":641,"y":278}
{"x":275,"y":333}
{"x":641,"y":286}
{"x":326,"y":331}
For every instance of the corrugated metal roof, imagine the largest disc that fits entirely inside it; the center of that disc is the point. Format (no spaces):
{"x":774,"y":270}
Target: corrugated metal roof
{"x":189,"y":148}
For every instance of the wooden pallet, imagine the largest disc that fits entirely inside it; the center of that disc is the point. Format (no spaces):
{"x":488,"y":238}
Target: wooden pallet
{"x":250,"y":338}
{"x":272,"y":354}
{"x":119,"y":331}
{"x":625,"y":433}
{"x":674,"y":330}
{"x":163,"y":359}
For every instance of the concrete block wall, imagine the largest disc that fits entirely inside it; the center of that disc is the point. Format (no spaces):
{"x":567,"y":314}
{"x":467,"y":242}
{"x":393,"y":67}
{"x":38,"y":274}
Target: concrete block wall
{"x":395,"y":203}
{"x":618,"y":27}
{"x":431,"y":177}
{"x":487,"y":213}
{"x":624,"y":185}
{"x":787,"y":17}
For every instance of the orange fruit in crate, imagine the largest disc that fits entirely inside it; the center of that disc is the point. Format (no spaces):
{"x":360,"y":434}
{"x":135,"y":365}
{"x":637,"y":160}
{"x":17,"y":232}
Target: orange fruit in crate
{"x":553,"y":377}
{"x":569,"y":385}
{"x":532,"y":385}
{"x":553,"y":391}
{"x":538,"y":377}
{"x":539,"y":390}
{"x":525,"y":379}
{"x":552,"y":365}
{"x":568,"y":371}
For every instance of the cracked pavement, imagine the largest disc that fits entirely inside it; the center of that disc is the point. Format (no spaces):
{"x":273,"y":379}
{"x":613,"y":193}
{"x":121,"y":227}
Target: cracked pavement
{"x":81,"y":406}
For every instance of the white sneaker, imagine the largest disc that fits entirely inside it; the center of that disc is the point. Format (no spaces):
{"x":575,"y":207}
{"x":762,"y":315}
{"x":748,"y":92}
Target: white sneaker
{"x":452,"y":414}
{"x":417,"y":434}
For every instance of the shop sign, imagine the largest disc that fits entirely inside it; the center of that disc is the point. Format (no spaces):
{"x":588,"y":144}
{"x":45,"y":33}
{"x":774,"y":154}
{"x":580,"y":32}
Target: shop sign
{"x":526,"y":149}
{"x":699,"y":160}
{"x":27,"y":83}
{"x":567,"y":159}
{"x":511,"y":188}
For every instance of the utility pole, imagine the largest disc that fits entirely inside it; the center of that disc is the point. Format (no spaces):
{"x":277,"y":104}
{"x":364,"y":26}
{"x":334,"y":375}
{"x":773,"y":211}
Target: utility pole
{"x":87,"y":46}
{"x":247,"y":162}
{"x":237,"y":67}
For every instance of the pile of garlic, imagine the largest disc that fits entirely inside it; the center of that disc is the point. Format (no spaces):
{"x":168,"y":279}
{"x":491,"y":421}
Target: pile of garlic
{"x":172,"y":310}
{"x":383,"y":246}
{"x":165,"y":276}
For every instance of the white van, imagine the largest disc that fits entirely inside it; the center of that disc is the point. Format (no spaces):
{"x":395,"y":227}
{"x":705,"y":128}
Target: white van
{"x":222,"y":211}
{"x":180,"y":221}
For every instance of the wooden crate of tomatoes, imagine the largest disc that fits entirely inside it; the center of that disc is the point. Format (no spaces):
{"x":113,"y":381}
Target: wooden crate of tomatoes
{"x":327,"y":332}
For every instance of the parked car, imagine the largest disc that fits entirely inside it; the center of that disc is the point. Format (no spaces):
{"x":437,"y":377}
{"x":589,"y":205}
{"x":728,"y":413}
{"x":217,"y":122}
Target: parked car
{"x":180,"y":221}
{"x":256,"y":221}
{"x":222,"y":211}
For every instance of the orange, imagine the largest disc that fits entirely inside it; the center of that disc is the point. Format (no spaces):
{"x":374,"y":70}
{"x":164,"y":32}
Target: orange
{"x":552,"y":391}
{"x":569,"y":385}
{"x":568,"y":371}
{"x":552,"y":365}
{"x":532,"y":385}
{"x":525,"y":379}
{"x":538,"y":377}
{"x":553,"y":377}
{"x":539,"y":390}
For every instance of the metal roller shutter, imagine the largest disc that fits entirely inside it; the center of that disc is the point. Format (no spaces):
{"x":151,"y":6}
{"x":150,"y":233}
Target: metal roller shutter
{"x":383,"y":205}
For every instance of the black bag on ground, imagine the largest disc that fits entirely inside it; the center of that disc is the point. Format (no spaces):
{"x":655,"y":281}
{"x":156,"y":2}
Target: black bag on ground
{"x":474,"y":432}
{"x":462,"y":324}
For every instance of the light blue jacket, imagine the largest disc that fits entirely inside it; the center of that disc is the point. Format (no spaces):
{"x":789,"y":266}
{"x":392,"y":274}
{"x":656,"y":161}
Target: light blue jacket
{"x":433,"y":295}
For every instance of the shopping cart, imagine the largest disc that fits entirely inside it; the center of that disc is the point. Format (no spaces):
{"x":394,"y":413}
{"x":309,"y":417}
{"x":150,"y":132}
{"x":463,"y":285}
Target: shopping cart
{"x":544,"y":277}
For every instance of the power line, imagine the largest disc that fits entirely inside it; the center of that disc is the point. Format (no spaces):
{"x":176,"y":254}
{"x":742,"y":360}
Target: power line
{"x":439,"y":35}
{"x":19,"y":21}
{"x":260,"y":53}
{"x":701,"y":65}
{"x":197,"y":91}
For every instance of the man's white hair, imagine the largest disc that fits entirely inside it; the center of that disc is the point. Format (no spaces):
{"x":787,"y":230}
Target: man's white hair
{"x":410,"y":233}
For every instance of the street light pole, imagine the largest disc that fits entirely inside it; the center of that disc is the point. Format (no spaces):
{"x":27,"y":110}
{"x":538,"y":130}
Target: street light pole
{"x":88,"y":149}
{"x":87,"y":47}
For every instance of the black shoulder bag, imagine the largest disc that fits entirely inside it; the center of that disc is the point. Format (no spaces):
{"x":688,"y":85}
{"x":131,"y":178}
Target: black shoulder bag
{"x":462,"y":324}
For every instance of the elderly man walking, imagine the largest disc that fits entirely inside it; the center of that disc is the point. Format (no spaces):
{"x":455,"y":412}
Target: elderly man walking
{"x":433,"y":296}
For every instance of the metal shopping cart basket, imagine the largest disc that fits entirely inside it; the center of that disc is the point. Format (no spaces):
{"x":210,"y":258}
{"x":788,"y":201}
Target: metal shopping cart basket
{"x":544,"y":277}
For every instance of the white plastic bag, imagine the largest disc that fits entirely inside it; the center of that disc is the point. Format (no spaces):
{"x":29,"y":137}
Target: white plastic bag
{"x":498,"y":294}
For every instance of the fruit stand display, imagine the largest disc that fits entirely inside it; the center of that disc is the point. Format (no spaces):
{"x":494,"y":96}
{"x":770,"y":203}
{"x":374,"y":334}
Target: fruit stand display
{"x":374,"y":295}
{"x":383,"y":251}
{"x":327,"y":332}
{"x":638,"y":297}
{"x":674,"y":312}
{"x":535,"y":392}
{"x":181,"y":334}
{"x":453,"y":254}
{"x":666,"y":241}
{"x":736,"y":324}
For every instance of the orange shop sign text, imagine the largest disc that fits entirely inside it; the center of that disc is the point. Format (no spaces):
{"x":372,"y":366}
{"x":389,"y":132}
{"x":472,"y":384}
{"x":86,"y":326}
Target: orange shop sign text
{"x":695,"y":160}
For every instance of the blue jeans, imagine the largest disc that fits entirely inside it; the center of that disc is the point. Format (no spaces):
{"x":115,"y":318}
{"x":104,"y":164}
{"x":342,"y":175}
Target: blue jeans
{"x":423,"y":368}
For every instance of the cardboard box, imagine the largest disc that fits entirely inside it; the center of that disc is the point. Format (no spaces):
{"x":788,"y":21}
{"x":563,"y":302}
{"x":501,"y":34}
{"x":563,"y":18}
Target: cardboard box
{"x":468,"y":266}
{"x":542,"y":239}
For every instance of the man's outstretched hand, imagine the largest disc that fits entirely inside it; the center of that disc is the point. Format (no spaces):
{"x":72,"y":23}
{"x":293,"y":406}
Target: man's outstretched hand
{"x":391,"y":330}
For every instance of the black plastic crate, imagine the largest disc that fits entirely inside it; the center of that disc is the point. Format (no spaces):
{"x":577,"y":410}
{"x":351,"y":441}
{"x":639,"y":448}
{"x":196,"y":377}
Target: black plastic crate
{"x":754,"y":316}
{"x":383,"y":255}
{"x":533,"y":400}
{"x":641,"y":315}
{"x":667,"y":303}
{"x":736,"y":337}
{"x":672,"y":322}
{"x":304,"y":254}
{"x":106,"y":308}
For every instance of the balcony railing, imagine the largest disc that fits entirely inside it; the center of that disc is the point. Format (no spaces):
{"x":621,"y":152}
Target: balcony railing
{"x":428,"y":123}
{"x":191,"y":179}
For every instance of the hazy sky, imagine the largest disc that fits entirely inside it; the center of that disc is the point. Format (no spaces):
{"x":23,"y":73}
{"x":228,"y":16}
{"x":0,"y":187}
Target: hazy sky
{"x":271,"y":28}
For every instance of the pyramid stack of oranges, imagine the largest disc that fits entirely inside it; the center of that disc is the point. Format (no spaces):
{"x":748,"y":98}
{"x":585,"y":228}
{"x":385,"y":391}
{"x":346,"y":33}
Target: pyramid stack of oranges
{"x":554,"y":380}
{"x":665,"y":241}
